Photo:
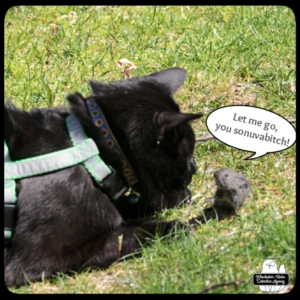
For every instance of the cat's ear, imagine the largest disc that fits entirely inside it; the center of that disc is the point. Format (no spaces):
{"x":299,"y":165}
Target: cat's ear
{"x":166,"y":120}
{"x":170,"y":79}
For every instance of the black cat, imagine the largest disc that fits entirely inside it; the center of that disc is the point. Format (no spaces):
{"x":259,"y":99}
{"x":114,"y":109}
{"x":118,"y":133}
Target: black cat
{"x":65,"y":219}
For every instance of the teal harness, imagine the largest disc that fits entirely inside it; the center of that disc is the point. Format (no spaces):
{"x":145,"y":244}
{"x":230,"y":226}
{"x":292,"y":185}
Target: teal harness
{"x":84,"y":150}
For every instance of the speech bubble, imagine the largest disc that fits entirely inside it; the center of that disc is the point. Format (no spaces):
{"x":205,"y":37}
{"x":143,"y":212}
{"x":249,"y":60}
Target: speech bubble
{"x":251,"y":129}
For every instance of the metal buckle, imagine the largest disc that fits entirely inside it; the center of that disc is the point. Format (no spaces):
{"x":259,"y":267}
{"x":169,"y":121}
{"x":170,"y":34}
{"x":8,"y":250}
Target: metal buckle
{"x":113,"y":185}
{"x":10,"y":217}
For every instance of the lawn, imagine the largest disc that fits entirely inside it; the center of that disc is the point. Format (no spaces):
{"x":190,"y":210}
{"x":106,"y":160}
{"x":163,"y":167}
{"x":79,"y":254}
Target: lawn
{"x":234,"y":55}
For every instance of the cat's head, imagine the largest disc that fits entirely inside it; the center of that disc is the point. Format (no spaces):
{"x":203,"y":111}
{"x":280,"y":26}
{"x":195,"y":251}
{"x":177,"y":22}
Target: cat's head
{"x":154,"y":135}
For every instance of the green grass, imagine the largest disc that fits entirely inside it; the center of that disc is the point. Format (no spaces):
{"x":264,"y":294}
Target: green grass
{"x":234,"y":55}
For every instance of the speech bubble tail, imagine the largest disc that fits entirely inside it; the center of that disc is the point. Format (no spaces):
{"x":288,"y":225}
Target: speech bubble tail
{"x":256,"y":155}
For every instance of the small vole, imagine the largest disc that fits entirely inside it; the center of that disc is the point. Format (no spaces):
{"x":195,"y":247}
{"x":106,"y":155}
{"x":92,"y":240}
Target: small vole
{"x":233,"y":189}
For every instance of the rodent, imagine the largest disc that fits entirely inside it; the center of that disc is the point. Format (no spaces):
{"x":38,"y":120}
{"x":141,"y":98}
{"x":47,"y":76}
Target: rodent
{"x":233,"y":189}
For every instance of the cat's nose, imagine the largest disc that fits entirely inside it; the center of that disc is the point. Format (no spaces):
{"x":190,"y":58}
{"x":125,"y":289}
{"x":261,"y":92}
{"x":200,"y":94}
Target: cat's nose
{"x":192,"y":164}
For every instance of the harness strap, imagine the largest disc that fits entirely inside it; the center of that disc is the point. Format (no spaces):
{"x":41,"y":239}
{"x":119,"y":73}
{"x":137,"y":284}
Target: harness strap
{"x":50,"y":162}
{"x":84,"y":151}
{"x":113,"y":186}
{"x":10,"y":199}
{"x":95,"y":165}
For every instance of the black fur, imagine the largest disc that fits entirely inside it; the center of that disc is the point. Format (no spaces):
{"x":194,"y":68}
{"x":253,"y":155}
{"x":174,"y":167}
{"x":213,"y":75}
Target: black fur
{"x":65,"y":222}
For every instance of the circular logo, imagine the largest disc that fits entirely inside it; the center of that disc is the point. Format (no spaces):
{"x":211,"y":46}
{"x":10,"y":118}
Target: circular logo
{"x":131,"y":179}
{"x":109,"y":143}
{"x":99,"y":122}
{"x":95,"y":113}
{"x":104,"y":132}
{"x":126,"y":172}
{"x":117,"y":152}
